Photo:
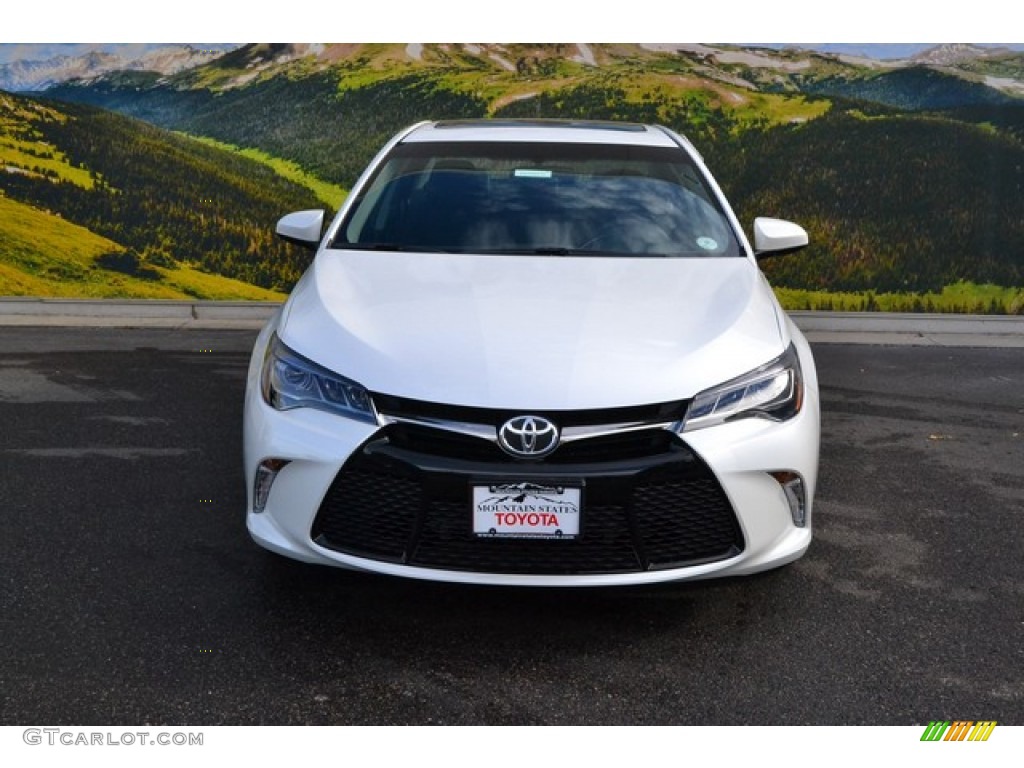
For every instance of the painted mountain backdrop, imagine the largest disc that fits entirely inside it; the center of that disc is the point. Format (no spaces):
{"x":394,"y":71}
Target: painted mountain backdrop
{"x":907,"y":173}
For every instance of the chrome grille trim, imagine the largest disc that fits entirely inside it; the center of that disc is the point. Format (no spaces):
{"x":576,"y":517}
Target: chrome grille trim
{"x":490,"y":433}
{"x":482,"y":431}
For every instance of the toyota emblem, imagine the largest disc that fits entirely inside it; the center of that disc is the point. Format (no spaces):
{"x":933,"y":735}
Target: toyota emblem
{"x":528,"y":437}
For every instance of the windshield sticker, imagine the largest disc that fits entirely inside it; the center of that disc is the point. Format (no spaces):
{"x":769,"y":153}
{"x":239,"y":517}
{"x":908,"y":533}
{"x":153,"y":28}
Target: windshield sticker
{"x":707,"y":243}
{"x":532,"y":173}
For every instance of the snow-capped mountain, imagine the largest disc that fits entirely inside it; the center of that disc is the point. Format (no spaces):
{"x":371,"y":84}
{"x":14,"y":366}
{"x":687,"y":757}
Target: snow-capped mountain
{"x":956,"y":53}
{"x":30,"y":75}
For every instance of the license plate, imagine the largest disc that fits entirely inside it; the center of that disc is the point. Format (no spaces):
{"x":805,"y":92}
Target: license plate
{"x":526,"y":511}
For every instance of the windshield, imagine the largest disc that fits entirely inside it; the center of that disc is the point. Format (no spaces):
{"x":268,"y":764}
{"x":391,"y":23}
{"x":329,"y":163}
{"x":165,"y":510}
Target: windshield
{"x":553,"y":198}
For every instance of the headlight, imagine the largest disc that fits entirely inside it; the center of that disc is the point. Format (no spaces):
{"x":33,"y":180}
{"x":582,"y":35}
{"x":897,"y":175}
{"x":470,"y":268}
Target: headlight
{"x":773,"y":391}
{"x":291,"y":381}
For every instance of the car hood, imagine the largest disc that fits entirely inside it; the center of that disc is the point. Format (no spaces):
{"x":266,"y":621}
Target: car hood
{"x":533,"y":333}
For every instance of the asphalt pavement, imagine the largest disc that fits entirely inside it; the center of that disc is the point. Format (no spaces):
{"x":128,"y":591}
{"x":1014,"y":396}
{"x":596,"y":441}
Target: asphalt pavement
{"x":130,"y":593}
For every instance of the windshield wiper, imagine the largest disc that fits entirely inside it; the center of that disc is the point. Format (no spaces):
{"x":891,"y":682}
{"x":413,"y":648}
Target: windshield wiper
{"x":368,"y":246}
{"x":395,"y":247}
{"x":560,"y":251}
{"x":548,"y":250}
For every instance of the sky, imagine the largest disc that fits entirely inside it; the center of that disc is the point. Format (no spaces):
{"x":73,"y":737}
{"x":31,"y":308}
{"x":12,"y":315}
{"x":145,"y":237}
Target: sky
{"x":793,"y":21}
{"x":883,"y":50}
{"x":42,"y":51}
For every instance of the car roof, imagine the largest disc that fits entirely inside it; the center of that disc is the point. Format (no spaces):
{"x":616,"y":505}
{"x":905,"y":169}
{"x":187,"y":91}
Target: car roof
{"x":541,"y":130}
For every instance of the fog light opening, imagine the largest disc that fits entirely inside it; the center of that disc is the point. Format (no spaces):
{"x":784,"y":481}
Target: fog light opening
{"x":266,"y":473}
{"x":796,"y":495}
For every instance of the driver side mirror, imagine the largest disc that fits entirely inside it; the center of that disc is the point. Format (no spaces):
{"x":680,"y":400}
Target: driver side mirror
{"x":776,"y":237}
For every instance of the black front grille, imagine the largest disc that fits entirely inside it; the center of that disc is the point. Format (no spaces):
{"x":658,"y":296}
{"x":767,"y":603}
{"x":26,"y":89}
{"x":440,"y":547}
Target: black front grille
{"x":605,"y":546}
{"x":406,"y":499}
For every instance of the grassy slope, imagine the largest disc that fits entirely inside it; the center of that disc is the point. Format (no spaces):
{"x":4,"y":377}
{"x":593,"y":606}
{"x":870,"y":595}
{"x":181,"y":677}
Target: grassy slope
{"x":934,"y":203}
{"x":166,"y":197}
{"x":22,"y":149}
{"x":641,"y":81}
{"x":963,"y":297}
{"x":43,"y":255}
{"x":329,"y":194}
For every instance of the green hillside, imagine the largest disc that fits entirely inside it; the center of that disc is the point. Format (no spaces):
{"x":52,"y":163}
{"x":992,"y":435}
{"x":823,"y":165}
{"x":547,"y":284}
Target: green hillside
{"x":331,"y":195}
{"x":908,"y":179}
{"x":41,"y":254}
{"x":331,"y":117}
{"x":892,"y":203}
{"x":171,"y":201}
{"x":913,"y":88}
{"x":1003,"y":118}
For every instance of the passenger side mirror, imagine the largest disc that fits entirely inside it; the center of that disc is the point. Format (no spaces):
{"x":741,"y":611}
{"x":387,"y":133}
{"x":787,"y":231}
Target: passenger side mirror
{"x":776,"y":237}
{"x":303,"y":228}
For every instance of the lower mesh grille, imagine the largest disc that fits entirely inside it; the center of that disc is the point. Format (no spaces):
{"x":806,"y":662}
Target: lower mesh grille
{"x":446,"y":542}
{"x":684,"y":521}
{"x":375,"y":514}
{"x":388,"y":503}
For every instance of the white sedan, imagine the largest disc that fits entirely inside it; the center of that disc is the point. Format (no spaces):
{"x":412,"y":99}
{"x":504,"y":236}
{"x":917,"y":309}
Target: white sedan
{"x":534,"y":353}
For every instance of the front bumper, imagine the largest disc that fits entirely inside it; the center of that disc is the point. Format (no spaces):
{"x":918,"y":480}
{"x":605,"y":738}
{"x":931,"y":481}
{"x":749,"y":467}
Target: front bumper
{"x":364,"y":497}
{"x":412,"y":507}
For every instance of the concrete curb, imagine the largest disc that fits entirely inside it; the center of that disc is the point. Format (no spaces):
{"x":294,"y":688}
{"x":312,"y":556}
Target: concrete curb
{"x":889,"y":322}
{"x":906,"y":329}
{"x":820,"y":327}
{"x":135,"y":313}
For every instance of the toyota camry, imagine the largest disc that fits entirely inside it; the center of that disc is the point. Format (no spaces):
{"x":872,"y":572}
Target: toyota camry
{"x":534,"y":353}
